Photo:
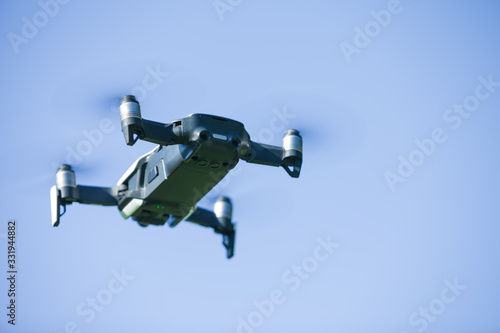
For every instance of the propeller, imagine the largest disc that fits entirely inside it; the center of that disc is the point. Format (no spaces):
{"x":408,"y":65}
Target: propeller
{"x":331,"y":132}
{"x":44,"y":175}
{"x":325,"y":124}
{"x":89,"y":96}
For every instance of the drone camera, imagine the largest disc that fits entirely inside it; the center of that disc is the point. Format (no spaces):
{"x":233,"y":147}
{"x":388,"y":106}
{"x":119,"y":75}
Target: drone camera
{"x":131,"y":119}
{"x":201,"y":134}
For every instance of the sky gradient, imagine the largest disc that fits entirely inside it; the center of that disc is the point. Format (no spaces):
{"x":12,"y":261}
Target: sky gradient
{"x":393,"y":225}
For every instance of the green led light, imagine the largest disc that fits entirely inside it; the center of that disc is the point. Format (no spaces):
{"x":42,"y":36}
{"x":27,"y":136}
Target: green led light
{"x":162,"y":207}
{"x":158,"y":206}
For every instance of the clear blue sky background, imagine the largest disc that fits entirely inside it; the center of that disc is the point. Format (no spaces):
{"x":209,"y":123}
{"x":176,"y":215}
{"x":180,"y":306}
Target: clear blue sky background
{"x":397,"y":248}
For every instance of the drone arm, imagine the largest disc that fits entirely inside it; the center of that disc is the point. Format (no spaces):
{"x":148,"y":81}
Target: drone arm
{"x":204,"y":218}
{"x":104,"y":196}
{"x":67,"y":192}
{"x":158,"y":133}
{"x":289,"y":156}
{"x":220,"y":221}
{"x":134,"y":127}
{"x":265,"y":154}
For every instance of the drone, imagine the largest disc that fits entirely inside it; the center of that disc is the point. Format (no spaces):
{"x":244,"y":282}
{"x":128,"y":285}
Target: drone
{"x":193,"y":154}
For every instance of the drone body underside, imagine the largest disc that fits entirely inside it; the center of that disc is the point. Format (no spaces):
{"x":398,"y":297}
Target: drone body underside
{"x":193,"y":154}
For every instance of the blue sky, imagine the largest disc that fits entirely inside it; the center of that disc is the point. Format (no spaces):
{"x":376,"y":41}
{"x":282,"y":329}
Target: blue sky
{"x":392,"y":226}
